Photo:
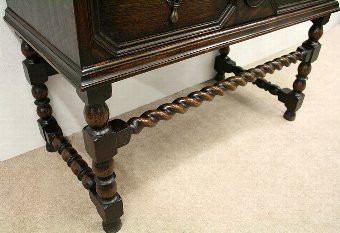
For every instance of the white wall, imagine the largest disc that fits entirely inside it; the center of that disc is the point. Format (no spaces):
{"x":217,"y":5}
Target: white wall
{"x":19,"y":131}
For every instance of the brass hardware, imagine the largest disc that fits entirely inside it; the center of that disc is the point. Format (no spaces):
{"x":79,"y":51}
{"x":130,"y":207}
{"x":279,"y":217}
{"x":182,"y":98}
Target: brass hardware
{"x":174,"y":4}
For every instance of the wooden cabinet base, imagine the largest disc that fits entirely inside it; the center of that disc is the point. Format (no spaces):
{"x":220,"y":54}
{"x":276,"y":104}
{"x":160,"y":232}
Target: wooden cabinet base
{"x":96,"y":43}
{"x":103,"y":138}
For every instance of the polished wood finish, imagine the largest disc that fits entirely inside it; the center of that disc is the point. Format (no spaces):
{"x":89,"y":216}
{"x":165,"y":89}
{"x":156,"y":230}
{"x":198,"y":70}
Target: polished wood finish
{"x":107,"y":56}
{"x":101,"y":144}
{"x":121,"y":21}
{"x":44,"y":109}
{"x":195,"y":99}
{"x":95,"y":43}
{"x":55,"y":20}
{"x":78,"y":166}
{"x":313,"y":47}
{"x":36,"y":74}
{"x":49,"y":128}
{"x":268,"y":86}
{"x":224,"y":64}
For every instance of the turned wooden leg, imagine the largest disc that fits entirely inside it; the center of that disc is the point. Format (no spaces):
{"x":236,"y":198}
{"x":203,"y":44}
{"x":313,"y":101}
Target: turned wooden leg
{"x":223,"y":64}
{"x":294,"y":99}
{"x":100,"y":139}
{"x":37,"y":71}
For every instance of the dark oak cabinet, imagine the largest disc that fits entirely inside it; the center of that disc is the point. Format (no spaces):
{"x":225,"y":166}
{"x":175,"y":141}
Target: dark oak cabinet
{"x":94,"y":43}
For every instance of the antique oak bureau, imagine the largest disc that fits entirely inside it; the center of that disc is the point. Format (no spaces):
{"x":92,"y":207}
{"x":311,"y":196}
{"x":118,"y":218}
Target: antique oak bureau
{"x":95,"y":43}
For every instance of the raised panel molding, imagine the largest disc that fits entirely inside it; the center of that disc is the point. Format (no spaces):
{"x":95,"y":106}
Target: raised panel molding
{"x":161,"y":39}
{"x":285,"y":6}
{"x":102,"y":60}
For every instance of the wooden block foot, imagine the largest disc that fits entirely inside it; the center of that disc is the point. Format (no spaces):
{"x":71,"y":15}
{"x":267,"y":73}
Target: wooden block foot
{"x":311,"y":49}
{"x":289,"y":115}
{"x":112,"y":227}
{"x":50,"y":148}
{"x":110,"y":211}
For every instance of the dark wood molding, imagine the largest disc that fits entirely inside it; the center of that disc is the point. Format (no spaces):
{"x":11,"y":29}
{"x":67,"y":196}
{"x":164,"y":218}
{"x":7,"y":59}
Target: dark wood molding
{"x":174,"y":34}
{"x":127,"y":66}
{"x":136,"y":64}
{"x":158,"y":40}
{"x":166,"y":111}
{"x":52,"y":55}
{"x":293,"y":6}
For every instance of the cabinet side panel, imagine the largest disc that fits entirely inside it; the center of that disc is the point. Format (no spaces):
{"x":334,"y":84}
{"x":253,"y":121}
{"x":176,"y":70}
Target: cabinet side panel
{"x":54,"y":20}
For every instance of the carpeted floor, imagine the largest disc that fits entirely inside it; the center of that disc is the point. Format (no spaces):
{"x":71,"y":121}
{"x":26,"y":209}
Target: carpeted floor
{"x":233,"y":165}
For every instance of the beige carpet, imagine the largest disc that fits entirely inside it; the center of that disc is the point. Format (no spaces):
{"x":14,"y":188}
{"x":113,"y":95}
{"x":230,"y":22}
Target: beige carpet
{"x":234,"y":165}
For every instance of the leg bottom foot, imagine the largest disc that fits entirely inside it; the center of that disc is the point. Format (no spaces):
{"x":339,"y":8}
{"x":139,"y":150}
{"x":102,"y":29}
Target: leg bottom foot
{"x":112,"y":227}
{"x":289,"y":115}
{"x":50,"y":148}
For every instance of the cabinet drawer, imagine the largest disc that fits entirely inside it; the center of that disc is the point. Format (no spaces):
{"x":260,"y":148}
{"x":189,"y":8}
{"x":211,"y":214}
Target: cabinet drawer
{"x":131,"y":27}
{"x":122,"y":25}
{"x":130,"y":20}
{"x":97,"y":41}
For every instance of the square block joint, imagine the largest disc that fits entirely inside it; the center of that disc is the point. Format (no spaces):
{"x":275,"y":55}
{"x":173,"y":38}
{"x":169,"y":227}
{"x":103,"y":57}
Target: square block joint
{"x":311,"y":51}
{"x":36,"y":72}
{"x":292,"y":100}
{"x":108,"y":211}
{"x":49,"y":128}
{"x":101,"y":148}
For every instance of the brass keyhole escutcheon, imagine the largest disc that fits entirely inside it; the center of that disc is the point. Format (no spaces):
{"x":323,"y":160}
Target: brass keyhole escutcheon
{"x":174,"y":4}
